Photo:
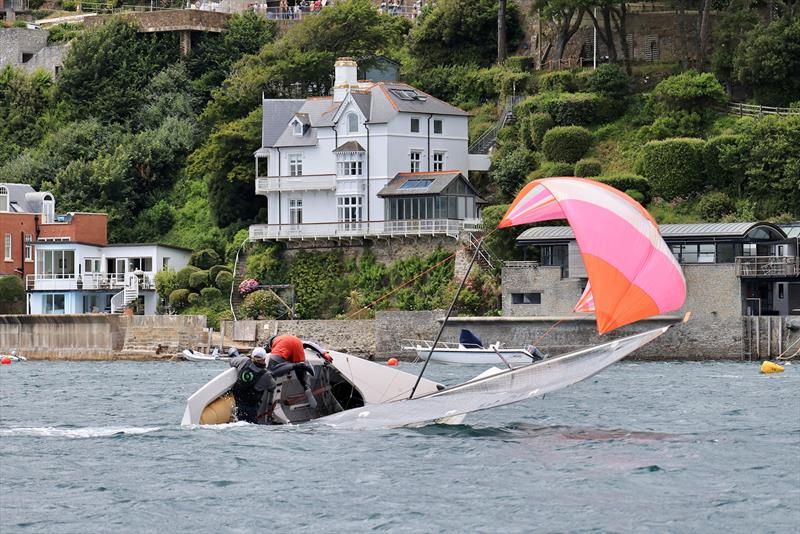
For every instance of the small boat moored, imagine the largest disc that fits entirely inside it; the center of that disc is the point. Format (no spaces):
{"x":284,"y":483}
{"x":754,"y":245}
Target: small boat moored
{"x":470,"y":350}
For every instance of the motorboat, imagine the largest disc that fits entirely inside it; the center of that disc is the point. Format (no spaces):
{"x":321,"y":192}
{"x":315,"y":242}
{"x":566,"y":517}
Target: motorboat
{"x":471,"y":350}
{"x":14,"y":357}
{"x":195,"y":356}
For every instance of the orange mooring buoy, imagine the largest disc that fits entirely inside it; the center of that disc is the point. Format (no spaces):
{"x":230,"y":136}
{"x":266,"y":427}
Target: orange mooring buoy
{"x":392,"y":361}
{"x":5,"y":361}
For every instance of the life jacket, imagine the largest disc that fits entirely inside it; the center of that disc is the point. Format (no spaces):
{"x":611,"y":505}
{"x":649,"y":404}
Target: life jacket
{"x":244,"y":390}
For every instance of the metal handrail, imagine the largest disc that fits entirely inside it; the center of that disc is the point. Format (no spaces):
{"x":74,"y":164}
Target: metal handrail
{"x":766,"y":266}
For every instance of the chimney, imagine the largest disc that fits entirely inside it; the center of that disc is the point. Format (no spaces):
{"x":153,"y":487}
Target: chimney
{"x":346,"y":77}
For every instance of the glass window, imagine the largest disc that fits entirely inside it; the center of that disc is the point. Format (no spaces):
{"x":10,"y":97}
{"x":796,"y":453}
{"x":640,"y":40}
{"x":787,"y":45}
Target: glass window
{"x":416,"y":158}
{"x":297,"y":128}
{"x":725,"y":253}
{"x":350,"y":163}
{"x":349,"y":209}
{"x":749,"y":249}
{"x":91,"y":265}
{"x":4,"y":204}
{"x":295,"y":164}
{"x":54,"y":303}
{"x":296,"y":211}
{"x":437,"y":126}
{"x":706,"y":253}
{"x":526,"y":298}
{"x":416,"y":184}
{"x":140,"y":264}
{"x":438,"y":161}
{"x":48,"y":209}
{"x":414,"y":125}
{"x":7,"y":247}
{"x":28,"y":247}
{"x":165,"y":264}
{"x":352,"y":123}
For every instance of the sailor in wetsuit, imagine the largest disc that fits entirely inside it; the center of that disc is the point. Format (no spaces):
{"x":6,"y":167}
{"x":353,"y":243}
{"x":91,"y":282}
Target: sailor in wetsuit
{"x":252,"y":381}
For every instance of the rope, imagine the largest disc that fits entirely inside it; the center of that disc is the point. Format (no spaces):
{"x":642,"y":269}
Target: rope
{"x":536,"y":342}
{"x":787,"y":350}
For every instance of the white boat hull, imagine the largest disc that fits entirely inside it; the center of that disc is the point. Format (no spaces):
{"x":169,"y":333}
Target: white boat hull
{"x":476,"y":356}
{"x":194,"y":356}
{"x":14,"y":357}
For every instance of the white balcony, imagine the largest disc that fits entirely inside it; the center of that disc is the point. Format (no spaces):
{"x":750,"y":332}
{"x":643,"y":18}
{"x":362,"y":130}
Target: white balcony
{"x":362,"y":229}
{"x":85,"y":282}
{"x":312,"y":182}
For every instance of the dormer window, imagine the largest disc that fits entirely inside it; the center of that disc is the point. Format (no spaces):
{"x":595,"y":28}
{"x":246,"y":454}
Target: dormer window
{"x":4,"y":199}
{"x":352,"y":123}
{"x":297,"y":128}
{"x":48,"y":209}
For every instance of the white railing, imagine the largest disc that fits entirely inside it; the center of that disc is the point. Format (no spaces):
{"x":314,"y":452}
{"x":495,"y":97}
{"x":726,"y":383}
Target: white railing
{"x":88,"y":281}
{"x":766,"y":266}
{"x":314,"y":182}
{"x":346,"y":230}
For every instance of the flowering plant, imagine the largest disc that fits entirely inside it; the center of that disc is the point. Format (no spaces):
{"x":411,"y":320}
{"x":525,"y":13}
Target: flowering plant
{"x":248,"y":286}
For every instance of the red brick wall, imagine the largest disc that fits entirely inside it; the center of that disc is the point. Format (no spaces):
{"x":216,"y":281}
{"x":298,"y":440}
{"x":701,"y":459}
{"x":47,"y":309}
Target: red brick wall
{"x":16,"y":224}
{"x":89,"y":228}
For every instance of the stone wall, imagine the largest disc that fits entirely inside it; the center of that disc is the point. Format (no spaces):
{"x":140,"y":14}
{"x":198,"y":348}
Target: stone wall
{"x":100,"y":336}
{"x":171,"y":20}
{"x":14,"y":42}
{"x":558,"y":295}
{"x":49,"y":58}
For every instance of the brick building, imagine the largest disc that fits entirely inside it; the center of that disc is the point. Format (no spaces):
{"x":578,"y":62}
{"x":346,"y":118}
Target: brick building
{"x":27,"y":216}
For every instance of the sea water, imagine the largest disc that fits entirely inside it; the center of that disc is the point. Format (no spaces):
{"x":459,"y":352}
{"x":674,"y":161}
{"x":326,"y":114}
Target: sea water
{"x":658,"y":447}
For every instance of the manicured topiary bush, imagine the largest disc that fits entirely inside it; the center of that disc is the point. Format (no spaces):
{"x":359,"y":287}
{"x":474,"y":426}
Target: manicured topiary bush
{"x":215,"y":270}
{"x":193,"y":298}
{"x":179,"y":298}
{"x":568,"y":108}
{"x":538,"y":124}
{"x":182,"y":280}
{"x":674,"y":167}
{"x":166,"y":282}
{"x":714,"y":205}
{"x":205,"y":258}
{"x":609,"y":80}
{"x":566,"y":144}
{"x":519,"y":63}
{"x":557,"y":169}
{"x":557,"y":81}
{"x":223,"y":282}
{"x":198,"y":280}
{"x":690,"y":91}
{"x":588,"y":168}
{"x":627,"y":183}
{"x":210,"y":294}
{"x":261,"y":304}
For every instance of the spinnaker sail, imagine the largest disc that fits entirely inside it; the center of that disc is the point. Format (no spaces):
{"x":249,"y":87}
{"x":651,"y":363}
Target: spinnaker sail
{"x":498,"y":389}
{"x":631,"y":271}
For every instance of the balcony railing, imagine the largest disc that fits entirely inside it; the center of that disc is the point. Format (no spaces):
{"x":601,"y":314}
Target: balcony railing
{"x":767,"y":266}
{"x":88,"y":281}
{"x":363,"y":229}
{"x":313,"y":182}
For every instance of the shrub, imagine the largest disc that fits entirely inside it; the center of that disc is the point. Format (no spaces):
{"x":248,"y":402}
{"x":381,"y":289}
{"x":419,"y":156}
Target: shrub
{"x":215,"y":270}
{"x":508,"y":171}
{"x":261,"y":304}
{"x":205,"y":259}
{"x":588,"y":168}
{"x":223,"y":281}
{"x":166,"y":282}
{"x":12,"y":294}
{"x":674,"y":167}
{"x":636,"y":195}
{"x":557,"y":81}
{"x":519,"y":63}
{"x":198,"y":279}
{"x":69,"y":5}
{"x":674,"y":124}
{"x":248,"y":286}
{"x":609,"y":80}
{"x":568,"y":108}
{"x":539,"y":123}
{"x":724,"y":158}
{"x":714,"y":205}
{"x":179,"y":298}
{"x":193,"y":298}
{"x":690,"y":91}
{"x":628,"y":183}
{"x":210,"y":294}
{"x":567,"y":144}
{"x":557,"y":169}
{"x":182,"y":280}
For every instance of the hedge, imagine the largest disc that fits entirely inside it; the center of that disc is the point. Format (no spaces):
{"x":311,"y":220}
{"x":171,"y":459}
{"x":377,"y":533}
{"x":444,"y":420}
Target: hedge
{"x":714,"y":205}
{"x":627,"y":183}
{"x":690,"y":91}
{"x":674,"y":167}
{"x":558,"y":169}
{"x":571,"y":108}
{"x":557,"y":81}
{"x":587,"y":168}
{"x":205,"y":259}
{"x":609,"y":80}
{"x":215,"y":270}
{"x":210,"y":293}
{"x":193,"y":298}
{"x":519,"y":63}
{"x":566,"y":144}
{"x":179,"y":298}
{"x":198,"y":279}
{"x":182,"y":280}
{"x":539,"y":123}
{"x":724,"y":158}
{"x":223,"y":281}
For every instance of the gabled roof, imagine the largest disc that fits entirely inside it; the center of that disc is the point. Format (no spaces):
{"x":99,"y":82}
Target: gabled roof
{"x":428,"y":103}
{"x":22,"y":198}
{"x":670,"y":232}
{"x":276,"y":115}
{"x":350,"y":146}
{"x":302,"y":118}
{"x":439,"y":181}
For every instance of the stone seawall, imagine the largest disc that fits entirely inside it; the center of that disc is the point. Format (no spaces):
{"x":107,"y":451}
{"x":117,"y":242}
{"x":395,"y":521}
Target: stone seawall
{"x":101,"y":336}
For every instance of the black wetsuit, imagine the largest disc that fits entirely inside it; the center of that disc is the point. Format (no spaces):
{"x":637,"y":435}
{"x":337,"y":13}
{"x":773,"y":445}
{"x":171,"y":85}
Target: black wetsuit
{"x":251,"y":383}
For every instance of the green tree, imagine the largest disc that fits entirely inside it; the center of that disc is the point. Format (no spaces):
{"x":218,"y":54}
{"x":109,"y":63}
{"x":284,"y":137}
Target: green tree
{"x":457,"y":32}
{"x":12,"y":294}
{"x":510,"y":169}
{"x":24,"y":101}
{"x":768,"y":60}
{"x":107,"y":68}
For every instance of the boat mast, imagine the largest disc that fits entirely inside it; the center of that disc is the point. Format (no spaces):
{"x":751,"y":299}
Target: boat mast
{"x":446,"y":317}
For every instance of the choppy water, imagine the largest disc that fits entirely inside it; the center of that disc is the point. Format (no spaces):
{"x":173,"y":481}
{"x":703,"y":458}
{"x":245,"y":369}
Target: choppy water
{"x":660,"y":447}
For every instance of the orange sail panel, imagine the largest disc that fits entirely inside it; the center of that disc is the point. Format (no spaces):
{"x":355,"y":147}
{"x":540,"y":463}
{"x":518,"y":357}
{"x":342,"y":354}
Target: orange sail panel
{"x":632,"y":273}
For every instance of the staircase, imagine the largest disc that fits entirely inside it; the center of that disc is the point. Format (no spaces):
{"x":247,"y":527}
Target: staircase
{"x":129,"y":293}
{"x":488,"y":139}
{"x":485,"y":258}
{"x":239,"y":270}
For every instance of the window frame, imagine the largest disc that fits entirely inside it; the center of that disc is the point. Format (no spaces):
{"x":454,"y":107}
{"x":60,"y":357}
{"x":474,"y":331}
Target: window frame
{"x":29,"y":248}
{"x":8,"y":247}
{"x":295,"y":211}
{"x":352,"y":122}
{"x":438,"y":166}
{"x":528,"y":298}
{"x":415,"y":160}
{"x":5,"y":199}
{"x":295,"y":164}
{"x":440,"y":123}
{"x":414,"y":122}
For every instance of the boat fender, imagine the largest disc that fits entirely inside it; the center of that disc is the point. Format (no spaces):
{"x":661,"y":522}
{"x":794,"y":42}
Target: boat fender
{"x":5,"y":361}
{"x":769,"y":367}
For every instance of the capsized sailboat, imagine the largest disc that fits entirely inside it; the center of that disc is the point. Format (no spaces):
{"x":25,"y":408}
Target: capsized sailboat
{"x":632,"y":275}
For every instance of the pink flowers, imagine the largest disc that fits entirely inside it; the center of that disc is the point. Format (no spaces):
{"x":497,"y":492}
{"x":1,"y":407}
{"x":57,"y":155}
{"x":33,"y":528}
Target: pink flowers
{"x":248,"y":286}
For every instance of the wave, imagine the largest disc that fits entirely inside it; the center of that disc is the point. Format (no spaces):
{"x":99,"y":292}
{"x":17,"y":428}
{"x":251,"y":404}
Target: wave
{"x":77,"y":433}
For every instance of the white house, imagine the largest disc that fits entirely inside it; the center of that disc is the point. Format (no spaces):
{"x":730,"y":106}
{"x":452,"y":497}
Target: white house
{"x":72,"y":277}
{"x":373,"y":159}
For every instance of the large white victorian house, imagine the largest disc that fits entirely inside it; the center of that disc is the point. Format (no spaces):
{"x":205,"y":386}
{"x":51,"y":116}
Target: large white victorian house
{"x":374,"y":159}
